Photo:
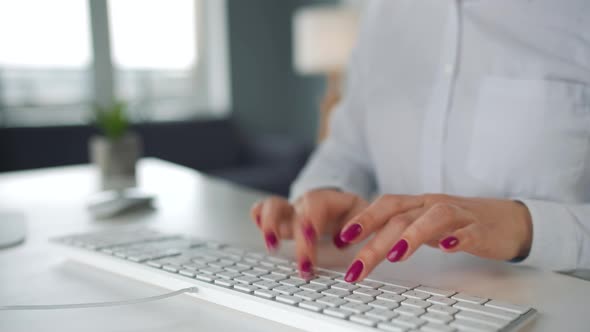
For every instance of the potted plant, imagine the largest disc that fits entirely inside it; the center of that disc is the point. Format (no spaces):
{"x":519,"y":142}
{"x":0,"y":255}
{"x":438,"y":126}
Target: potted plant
{"x":116,"y":150}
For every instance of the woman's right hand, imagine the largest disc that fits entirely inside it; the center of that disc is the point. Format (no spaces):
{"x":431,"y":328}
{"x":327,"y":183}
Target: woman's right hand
{"x":318,"y":212}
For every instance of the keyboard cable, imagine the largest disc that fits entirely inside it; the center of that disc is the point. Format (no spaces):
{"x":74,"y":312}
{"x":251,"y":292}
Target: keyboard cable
{"x":98,"y":304}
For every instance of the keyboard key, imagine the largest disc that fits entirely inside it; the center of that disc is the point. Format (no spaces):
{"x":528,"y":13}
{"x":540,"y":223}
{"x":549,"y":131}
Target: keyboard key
{"x":187,"y":273}
{"x":364,"y":320}
{"x":367,"y":291}
{"x":287,"y":290}
{"x":272,"y":277}
{"x":336,"y":292}
{"x":331,"y":301}
{"x":327,"y":274}
{"x":210,"y":270}
{"x":338,"y":313}
{"x":246,"y":279}
{"x":441,"y":300}
{"x":288,"y":299}
{"x":442,"y":309}
{"x":410,"y":321}
{"x":369,"y":284}
{"x":409,"y":311}
{"x":437,"y":318}
{"x":309,"y":295}
{"x":293,"y":282}
{"x":391,"y":297}
{"x":435,"y":291}
{"x":393,"y":289}
{"x":277,"y":260}
{"x":313,"y":306}
{"x":266,"y":284}
{"x":359,"y":298}
{"x":416,"y":295}
{"x":435,"y":327}
{"x":391,"y":327}
{"x":484,"y":319}
{"x":357,"y":308}
{"x":498,"y":313}
{"x":171,"y":268}
{"x":322,"y":281}
{"x":225,"y":282}
{"x":267,"y":294}
{"x":236,"y":268}
{"x":313,"y":287}
{"x":254,"y":273}
{"x":382,"y":314}
{"x":508,"y":307}
{"x":416,"y":303}
{"x":469,"y":298}
{"x":220,"y":264}
{"x":402,"y":283}
{"x":261,"y":268}
{"x":245,"y":288}
{"x":206,"y":277}
{"x":382,"y":304}
{"x":344,"y":286}
{"x":471,"y":326}
{"x":193,"y":266}
{"x":228,"y":275}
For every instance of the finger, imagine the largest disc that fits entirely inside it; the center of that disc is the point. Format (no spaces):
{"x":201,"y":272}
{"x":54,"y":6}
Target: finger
{"x":376,"y":249}
{"x":377,"y":214}
{"x":358,"y":207}
{"x":438,"y":220}
{"x":466,"y":239}
{"x":255,"y":213}
{"x":303,"y":252}
{"x":320,"y":210}
{"x":275,"y":211}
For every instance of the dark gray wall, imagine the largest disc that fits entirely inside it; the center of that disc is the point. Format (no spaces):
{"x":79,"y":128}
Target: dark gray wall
{"x":268,"y":96}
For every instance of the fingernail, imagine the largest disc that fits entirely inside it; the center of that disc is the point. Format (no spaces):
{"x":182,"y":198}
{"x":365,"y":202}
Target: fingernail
{"x":258,"y":222}
{"x":354,"y":271}
{"x":397,"y":251}
{"x":271,"y":241}
{"x":338,"y":242}
{"x":309,"y":233}
{"x":350,"y":233}
{"x":305,"y":269}
{"x":449,"y":242}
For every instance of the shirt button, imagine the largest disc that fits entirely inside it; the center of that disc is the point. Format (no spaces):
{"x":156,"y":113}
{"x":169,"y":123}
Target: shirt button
{"x":449,"y":68}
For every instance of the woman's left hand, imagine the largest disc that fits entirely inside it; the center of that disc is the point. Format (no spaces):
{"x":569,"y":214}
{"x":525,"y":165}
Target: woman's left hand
{"x":490,"y":228}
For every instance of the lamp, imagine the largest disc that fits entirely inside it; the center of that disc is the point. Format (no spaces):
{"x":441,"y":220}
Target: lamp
{"x":323,"y":37}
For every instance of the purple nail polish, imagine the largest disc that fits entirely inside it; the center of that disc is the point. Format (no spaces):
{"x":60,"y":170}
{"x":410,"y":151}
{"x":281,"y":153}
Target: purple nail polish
{"x":338,"y":242}
{"x":306,"y":269}
{"x":350,"y":233}
{"x":271,"y":241}
{"x":354,"y":271}
{"x":449,"y":242}
{"x":309,"y":233}
{"x":398,"y":251}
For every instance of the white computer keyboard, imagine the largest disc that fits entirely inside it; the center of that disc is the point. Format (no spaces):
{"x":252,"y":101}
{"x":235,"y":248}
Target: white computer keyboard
{"x":270,"y":287}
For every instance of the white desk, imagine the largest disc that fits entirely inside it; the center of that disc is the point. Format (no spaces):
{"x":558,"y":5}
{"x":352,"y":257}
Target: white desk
{"x":54,"y":203}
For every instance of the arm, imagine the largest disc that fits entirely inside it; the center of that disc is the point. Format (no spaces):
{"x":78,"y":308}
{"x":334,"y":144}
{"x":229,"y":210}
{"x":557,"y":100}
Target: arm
{"x":561,"y":236}
{"x":342,"y":160}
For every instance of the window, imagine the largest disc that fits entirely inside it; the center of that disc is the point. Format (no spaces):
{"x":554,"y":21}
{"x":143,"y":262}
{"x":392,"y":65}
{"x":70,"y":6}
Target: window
{"x":166,"y":59}
{"x":44,"y":67}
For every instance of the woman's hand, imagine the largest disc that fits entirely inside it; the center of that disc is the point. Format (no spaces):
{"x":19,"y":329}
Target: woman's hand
{"x":316,"y":213}
{"x":489,"y":228}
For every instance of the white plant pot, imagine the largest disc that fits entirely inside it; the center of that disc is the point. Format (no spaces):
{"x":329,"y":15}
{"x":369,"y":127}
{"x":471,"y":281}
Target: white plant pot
{"x":116,"y":160}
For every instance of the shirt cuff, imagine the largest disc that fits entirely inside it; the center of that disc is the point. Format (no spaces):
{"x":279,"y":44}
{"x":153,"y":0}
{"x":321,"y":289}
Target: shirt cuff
{"x":554,"y":245}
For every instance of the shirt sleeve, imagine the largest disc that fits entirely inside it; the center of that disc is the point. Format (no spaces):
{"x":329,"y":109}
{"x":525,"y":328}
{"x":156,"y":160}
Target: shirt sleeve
{"x":561,"y":236}
{"x":341,"y":161}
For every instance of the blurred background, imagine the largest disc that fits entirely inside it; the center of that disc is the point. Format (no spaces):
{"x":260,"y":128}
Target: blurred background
{"x":237,"y":89}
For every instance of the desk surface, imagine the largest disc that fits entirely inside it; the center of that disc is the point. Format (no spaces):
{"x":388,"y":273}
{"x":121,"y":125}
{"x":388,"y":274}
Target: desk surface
{"x":54,"y":200}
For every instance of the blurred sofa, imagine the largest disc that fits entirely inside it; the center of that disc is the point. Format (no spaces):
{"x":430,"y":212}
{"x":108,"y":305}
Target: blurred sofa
{"x":267,"y":162}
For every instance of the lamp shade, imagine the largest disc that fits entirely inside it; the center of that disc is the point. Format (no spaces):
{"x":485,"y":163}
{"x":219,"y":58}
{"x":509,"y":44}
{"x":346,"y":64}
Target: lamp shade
{"x":323,"y":37}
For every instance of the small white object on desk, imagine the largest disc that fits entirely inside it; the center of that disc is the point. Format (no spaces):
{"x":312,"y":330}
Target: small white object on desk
{"x":112,"y":203}
{"x":12,"y":229}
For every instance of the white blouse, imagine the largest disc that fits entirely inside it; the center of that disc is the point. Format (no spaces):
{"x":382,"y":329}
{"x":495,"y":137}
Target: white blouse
{"x":487,"y":98}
